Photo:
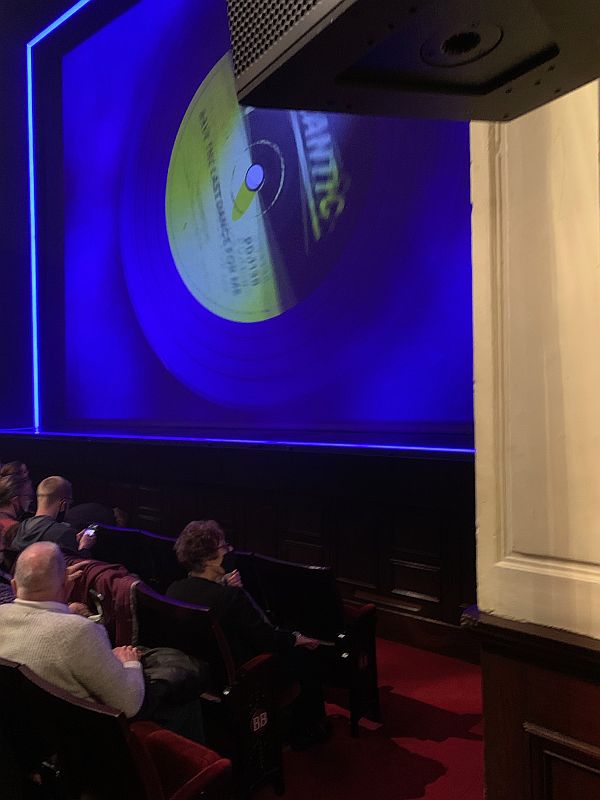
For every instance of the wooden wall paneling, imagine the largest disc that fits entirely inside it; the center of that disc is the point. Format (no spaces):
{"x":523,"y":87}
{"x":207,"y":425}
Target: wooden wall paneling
{"x":561,"y":767}
{"x":457,"y":559}
{"x":152,"y":509}
{"x":90,"y":489}
{"x":218,"y":503}
{"x":468,"y":560}
{"x":541,"y":692}
{"x":412,"y":568}
{"x":183,"y":499}
{"x":506,"y":751}
{"x":258,"y":523}
{"x":357,"y":533}
{"x":302,"y":534}
{"x":417,"y":585}
{"x":120,"y":495}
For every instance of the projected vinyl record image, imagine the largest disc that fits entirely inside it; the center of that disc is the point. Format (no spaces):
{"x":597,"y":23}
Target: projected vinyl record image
{"x":226,"y":175}
{"x":264,"y":251}
{"x":250,"y":267}
{"x":233,"y":216}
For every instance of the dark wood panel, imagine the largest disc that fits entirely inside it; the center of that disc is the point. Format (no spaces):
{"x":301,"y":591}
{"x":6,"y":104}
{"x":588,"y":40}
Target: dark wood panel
{"x":562,"y":767}
{"x":416,"y":580}
{"x":541,"y":691}
{"x":359,"y":533}
{"x":303,"y":552}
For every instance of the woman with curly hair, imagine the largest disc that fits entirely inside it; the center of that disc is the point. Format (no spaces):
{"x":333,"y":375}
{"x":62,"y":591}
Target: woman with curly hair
{"x":201,"y":548}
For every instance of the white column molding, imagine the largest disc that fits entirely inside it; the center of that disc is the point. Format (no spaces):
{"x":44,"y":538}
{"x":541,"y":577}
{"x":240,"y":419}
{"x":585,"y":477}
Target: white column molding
{"x":536,"y":292}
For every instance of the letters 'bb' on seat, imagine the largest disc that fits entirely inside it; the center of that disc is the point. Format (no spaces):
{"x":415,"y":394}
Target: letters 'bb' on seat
{"x":241,"y":704}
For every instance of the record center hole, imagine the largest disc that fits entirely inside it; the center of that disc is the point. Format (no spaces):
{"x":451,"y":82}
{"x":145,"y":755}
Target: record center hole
{"x":255,"y":177}
{"x":461,"y":43}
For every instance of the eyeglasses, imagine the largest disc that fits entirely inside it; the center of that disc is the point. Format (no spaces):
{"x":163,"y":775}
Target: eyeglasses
{"x":225,"y":546}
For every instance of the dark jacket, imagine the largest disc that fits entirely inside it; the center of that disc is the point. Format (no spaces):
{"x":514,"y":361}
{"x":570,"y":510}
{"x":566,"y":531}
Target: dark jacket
{"x":44,"y":529}
{"x":245,"y":626}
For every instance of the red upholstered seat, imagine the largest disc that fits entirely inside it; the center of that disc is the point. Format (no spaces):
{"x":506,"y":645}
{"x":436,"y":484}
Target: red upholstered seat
{"x":185,"y":769}
{"x":240,"y":705}
{"x":98,"y":753}
{"x":114,"y":584}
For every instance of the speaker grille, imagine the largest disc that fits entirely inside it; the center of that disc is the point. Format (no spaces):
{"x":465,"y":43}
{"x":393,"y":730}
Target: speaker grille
{"x":256,"y":25}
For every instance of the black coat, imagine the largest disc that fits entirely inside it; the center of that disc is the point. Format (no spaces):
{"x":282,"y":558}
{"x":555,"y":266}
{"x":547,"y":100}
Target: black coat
{"x":245,"y":626}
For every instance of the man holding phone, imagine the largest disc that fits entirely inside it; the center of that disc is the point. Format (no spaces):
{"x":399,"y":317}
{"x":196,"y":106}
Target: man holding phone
{"x":54,"y":496}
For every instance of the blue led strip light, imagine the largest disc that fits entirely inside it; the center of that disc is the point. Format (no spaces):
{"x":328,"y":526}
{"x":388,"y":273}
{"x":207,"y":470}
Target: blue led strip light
{"x":468,"y":451}
{"x":32,"y":212}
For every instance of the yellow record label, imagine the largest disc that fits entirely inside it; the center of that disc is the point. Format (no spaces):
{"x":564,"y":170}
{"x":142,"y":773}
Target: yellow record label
{"x":214,"y":206}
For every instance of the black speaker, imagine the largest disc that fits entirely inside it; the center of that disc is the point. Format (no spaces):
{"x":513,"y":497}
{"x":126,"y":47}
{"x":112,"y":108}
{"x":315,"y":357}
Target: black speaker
{"x":454,"y":59}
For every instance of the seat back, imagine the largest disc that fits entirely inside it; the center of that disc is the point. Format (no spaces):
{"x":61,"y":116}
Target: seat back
{"x":98,"y":757}
{"x":146,"y":554}
{"x":112,"y":585}
{"x":246,"y":563}
{"x":300,"y":597}
{"x":164,"y":622}
{"x":241,"y":722}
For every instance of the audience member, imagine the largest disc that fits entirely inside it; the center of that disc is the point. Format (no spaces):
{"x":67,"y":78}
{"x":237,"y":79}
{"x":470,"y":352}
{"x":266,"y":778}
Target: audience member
{"x":65,"y":649}
{"x":201,"y":548}
{"x":14,"y":468}
{"x":20,"y":471}
{"x":54,"y":496}
{"x":11,"y":488}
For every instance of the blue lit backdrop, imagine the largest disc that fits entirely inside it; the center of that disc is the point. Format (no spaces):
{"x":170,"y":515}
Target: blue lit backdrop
{"x":331,"y":301}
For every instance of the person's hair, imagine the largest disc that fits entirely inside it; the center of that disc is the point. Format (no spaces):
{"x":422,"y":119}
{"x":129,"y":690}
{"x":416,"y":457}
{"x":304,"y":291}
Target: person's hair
{"x":39,"y":565}
{"x":11,"y":486}
{"x":17,"y":468}
{"x":7,"y":536}
{"x":54,"y":488}
{"x":198,"y":542}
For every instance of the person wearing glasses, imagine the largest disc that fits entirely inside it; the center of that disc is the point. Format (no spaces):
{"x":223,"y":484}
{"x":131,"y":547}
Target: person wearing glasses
{"x":201,"y":548}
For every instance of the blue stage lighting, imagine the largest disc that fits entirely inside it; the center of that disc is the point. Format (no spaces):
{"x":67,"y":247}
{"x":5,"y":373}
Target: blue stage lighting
{"x":32,"y":224}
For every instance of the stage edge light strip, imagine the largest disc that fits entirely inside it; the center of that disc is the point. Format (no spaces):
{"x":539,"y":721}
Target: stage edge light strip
{"x":32,"y":212}
{"x":469,"y":451}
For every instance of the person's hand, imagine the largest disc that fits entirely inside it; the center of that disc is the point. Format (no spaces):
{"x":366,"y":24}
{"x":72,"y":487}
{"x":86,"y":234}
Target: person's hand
{"x":85,"y":539}
{"x":126,"y":653}
{"x":80,"y":608}
{"x":306,"y":641}
{"x":74,"y":571}
{"x":233,"y":579}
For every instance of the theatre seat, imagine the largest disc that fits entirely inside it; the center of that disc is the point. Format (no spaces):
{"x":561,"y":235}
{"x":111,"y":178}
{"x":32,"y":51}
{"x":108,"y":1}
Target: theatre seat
{"x":146,"y":554}
{"x":240,"y":705}
{"x":307,"y":599}
{"x":99,"y":755}
{"x":111,"y":586}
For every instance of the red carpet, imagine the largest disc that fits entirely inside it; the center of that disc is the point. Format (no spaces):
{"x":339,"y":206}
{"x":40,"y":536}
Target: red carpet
{"x":428,"y":746}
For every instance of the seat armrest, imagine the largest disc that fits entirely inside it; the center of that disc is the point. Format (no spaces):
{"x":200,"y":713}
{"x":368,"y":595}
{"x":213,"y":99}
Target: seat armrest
{"x":353,"y":612}
{"x":256,"y":663}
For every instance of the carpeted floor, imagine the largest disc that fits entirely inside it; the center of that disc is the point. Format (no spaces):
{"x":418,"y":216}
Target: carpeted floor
{"x":428,"y":746}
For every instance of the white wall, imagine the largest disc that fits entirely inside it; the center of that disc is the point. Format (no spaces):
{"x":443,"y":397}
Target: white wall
{"x":536,"y":263}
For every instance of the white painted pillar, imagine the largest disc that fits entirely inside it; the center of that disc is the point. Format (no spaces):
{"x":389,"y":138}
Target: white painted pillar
{"x":536,"y":264}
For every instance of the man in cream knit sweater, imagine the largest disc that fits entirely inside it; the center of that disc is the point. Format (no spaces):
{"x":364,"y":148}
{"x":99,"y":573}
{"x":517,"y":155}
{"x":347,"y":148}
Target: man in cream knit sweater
{"x":70,"y":651}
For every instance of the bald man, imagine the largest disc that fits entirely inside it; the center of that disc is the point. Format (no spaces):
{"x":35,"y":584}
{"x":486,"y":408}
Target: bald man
{"x":70,"y":651}
{"x":54,"y":496}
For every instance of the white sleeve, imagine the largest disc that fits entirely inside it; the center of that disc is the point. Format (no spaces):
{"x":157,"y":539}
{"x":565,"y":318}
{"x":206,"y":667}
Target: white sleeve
{"x":97,"y":668}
